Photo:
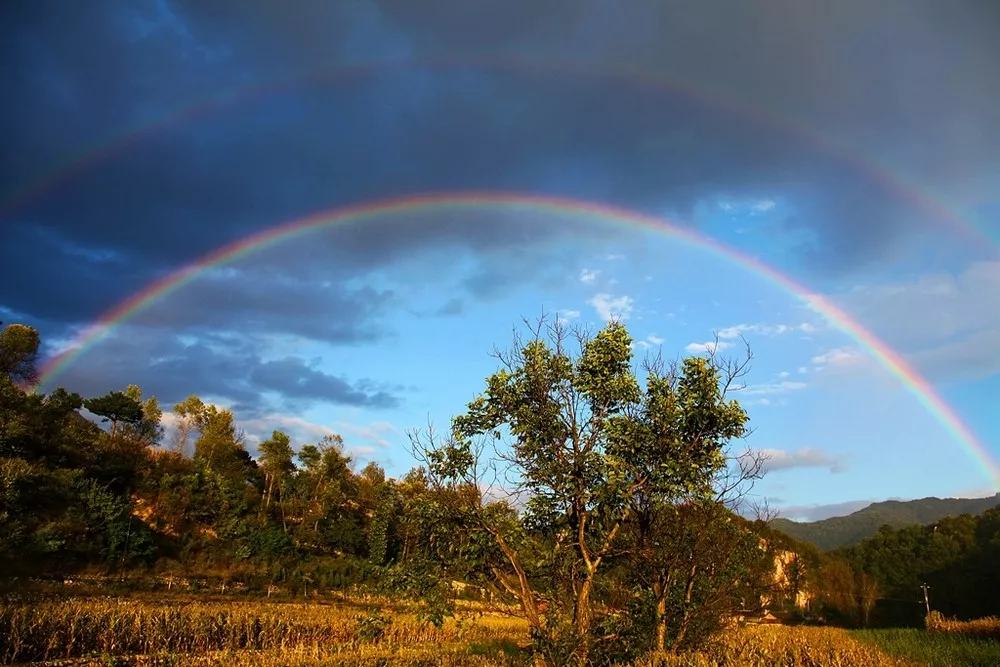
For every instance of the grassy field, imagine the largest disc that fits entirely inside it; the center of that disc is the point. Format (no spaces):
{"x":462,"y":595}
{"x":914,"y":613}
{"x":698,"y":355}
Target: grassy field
{"x":188,"y":631}
{"x":933,"y":649}
{"x":945,"y":643}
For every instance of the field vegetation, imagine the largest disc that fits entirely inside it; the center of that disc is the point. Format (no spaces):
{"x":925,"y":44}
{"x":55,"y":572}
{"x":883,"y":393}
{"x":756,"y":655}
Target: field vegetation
{"x":109,"y":630}
{"x":584,"y":509}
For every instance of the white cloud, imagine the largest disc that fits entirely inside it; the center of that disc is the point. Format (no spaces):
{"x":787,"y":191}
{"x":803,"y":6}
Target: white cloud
{"x":613,"y":257}
{"x":650,"y":341}
{"x":710,"y":347}
{"x":783,"y":374}
{"x":772,"y":388}
{"x":839,"y":357}
{"x":820,"y":512}
{"x":610,"y":307}
{"x":589,"y":276}
{"x":807,"y":457}
{"x":372,"y":436}
{"x":564,"y":316}
{"x":750,"y":206}
{"x":976,"y":492}
{"x":766,"y":329}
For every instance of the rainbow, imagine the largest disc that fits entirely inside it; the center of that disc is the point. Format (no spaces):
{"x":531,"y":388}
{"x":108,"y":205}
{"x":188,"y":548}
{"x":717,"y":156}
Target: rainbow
{"x":515,"y":203}
{"x":886,"y":176}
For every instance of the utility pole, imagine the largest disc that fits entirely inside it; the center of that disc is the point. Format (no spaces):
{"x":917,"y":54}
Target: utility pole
{"x":927,"y":601}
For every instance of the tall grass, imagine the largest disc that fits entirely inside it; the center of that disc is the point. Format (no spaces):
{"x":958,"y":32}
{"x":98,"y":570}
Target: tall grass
{"x":115,"y":631}
{"x":933,"y":649}
{"x":48,"y":630}
{"x":781,"y":646}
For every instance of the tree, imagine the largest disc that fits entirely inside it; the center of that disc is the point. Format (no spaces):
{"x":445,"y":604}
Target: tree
{"x":116,"y":407}
{"x":148,"y":429}
{"x":190,"y":415}
{"x":219,"y":438}
{"x":583,"y":438}
{"x":868,"y":594}
{"x":19,"y":353}
{"x":696,"y":559}
{"x":838,"y":590}
{"x":276,"y":456}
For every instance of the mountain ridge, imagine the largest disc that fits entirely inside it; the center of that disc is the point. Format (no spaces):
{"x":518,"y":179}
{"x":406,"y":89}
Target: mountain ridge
{"x":841,"y":531}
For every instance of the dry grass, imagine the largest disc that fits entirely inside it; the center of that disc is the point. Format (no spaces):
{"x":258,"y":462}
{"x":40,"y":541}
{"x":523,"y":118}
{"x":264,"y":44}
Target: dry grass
{"x":981,"y":628}
{"x":115,"y":631}
{"x":50,"y":630}
{"x":781,"y":646}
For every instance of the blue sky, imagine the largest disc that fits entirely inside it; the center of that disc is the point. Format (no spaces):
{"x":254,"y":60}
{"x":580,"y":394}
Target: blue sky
{"x":372,"y":328}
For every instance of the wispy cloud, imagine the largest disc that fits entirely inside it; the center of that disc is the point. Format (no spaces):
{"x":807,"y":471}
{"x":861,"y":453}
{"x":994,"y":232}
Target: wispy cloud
{"x":752,"y":206}
{"x":589,"y":276}
{"x":773,"y":388}
{"x":710,"y":347}
{"x":359,"y":439}
{"x":807,"y":457}
{"x":839,"y":358}
{"x":820,"y":512}
{"x":610,"y":307}
{"x":566,"y":316}
{"x":650,"y":341}
{"x":766,"y":329}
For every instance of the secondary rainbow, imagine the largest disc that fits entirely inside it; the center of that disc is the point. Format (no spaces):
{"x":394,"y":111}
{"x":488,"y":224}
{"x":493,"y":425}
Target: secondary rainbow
{"x":886,"y":176}
{"x":514,"y":202}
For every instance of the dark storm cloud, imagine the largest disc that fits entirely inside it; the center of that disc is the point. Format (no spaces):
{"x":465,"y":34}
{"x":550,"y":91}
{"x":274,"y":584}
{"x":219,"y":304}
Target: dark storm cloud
{"x":294,"y":379}
{"x":226,"y":365}
{"x":911,"y":81}
{"x":245,"y":300}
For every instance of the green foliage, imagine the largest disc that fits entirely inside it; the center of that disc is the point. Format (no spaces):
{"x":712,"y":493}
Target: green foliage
{"x":620,"y":539}
{"x":116,"y":407}
{"x":122,"y":539}
{"x":588,"y":445}
{"x":956,"y":557}
{"x":386,"y":509}
{"x":372,"y":627}
{"x":19,"y":353}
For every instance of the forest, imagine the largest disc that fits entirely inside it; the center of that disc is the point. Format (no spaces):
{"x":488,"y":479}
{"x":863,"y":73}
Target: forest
{"x":619,"y":527}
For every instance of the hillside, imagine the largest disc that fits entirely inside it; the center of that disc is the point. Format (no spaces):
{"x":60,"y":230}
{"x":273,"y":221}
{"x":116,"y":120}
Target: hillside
{"x":846,"y":530}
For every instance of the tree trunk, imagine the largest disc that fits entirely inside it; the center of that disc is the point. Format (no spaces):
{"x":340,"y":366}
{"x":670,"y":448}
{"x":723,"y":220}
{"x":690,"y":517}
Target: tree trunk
{"x":281,"y":506}
{"x":660,"y":592}
{"x":688,"y":592}
{"x":267,"y":492}
{"x":582,"y":618}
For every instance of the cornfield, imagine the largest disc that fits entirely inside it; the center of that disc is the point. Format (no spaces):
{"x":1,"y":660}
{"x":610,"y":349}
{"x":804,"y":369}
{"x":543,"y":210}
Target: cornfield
{"x":33,"y":631}
{"x":121,"y":631}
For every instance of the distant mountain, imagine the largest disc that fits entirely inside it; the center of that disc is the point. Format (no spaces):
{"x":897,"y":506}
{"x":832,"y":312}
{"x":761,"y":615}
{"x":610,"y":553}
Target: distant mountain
{"x":840,"y":531}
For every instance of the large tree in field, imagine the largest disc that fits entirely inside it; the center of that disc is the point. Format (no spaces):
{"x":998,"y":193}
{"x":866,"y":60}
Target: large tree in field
{"x":579,"y":437}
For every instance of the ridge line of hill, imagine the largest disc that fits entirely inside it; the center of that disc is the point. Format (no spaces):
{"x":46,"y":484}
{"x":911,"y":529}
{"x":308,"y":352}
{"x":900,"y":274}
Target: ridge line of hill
{"x":841,"y":531}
